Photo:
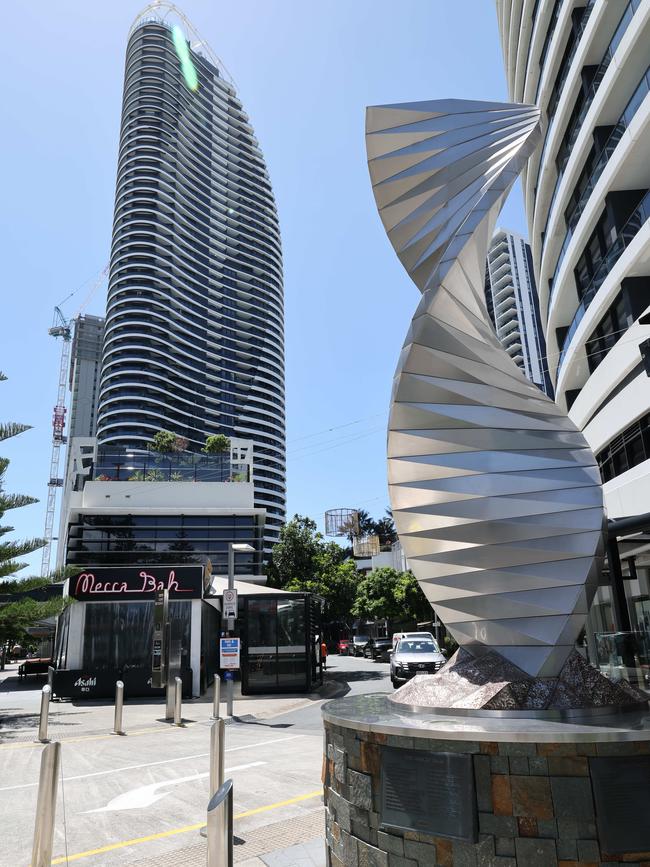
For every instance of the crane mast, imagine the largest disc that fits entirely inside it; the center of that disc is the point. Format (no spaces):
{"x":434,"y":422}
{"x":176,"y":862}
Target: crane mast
{"x":60,"y":328}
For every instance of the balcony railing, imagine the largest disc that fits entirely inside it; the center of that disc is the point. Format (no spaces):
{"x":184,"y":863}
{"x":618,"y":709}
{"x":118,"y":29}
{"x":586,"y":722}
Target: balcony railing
{"x":601,"y":161}
{"x":571,"y":135}
{"x":624,"y":238}
{"x":173,"y":467}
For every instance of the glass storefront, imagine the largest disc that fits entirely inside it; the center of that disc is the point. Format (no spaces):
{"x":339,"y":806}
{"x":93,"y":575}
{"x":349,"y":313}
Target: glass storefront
{"x":622,"y":653}
{"x":280,"y":644}
{"x":118,"y":635}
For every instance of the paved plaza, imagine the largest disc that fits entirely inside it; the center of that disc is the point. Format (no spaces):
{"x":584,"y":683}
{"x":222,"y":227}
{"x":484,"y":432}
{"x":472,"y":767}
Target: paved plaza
{"x":141,"y":799}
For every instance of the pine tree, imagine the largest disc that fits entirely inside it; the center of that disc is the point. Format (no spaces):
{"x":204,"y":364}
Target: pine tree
{"x":9,"y":551}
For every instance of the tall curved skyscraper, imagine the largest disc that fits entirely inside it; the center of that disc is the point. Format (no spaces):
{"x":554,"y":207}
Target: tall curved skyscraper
{"x":194,"y":339}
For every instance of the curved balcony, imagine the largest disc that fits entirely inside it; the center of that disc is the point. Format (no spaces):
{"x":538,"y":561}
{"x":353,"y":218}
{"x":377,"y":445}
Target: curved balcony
{"x":627,"y":234}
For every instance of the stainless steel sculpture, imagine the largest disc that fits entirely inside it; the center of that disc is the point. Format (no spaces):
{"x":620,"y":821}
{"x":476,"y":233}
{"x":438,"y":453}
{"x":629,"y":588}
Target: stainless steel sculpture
{"x":496,"y":495}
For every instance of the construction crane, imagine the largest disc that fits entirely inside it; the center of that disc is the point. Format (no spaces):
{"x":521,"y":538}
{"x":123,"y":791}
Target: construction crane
{"x":61,"y":328}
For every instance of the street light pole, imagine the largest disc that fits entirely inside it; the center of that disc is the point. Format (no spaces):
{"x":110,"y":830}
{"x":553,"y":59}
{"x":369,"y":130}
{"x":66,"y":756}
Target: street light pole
{"x":229,"y":622}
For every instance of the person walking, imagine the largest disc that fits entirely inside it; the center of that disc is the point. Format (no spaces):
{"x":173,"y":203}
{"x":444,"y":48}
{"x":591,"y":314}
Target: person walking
{"x":323,"y":655}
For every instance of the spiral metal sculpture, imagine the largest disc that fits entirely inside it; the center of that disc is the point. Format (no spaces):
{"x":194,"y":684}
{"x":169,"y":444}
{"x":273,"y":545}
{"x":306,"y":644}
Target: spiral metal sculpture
{"x":496,"y":496}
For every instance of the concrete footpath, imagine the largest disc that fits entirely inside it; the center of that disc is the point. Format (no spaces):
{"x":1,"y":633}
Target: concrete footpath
{"x":20,"y":704}
{"x":141,"y":799}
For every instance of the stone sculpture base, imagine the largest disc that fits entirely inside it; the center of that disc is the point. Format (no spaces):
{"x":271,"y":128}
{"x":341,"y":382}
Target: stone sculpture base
{"x":536,"y":797}
{"x":491,"y":682}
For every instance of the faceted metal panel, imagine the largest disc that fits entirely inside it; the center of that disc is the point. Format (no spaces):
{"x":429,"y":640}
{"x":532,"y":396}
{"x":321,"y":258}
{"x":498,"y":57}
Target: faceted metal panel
{"x":496,"y":496}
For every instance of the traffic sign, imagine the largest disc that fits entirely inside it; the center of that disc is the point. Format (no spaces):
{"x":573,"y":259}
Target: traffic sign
{"x":229,"y":653}
{"x":229,"y":604}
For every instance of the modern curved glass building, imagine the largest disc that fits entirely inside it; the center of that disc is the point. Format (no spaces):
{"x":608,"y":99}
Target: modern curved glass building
{"x":194,"y":338}
{"x":587,"y":199}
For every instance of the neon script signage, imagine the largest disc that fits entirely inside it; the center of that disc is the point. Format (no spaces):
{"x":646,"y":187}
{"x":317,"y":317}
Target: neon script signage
{"x":132,"y":583}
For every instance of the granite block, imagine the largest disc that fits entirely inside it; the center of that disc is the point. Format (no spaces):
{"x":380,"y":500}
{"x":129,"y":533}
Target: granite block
{"x":588,"y":850}
{"x":490,"y":748}
{"x":527,"y":826}
{"x":370,"y":758}
{"x":349,"y":851}
{"x":483,"y":782}
{"x":390,"y":843}
{"x":547,"y":828}
{"x":501,"y":795}
{"x":464,"y":854}
{"x":444,"y":852}
{"x":371,"y":856}
{"x":360,"y":789}
{"x":518,"y":765}
{"x":504,"y":846}
{"x":423,"y":853}
{"x":572,"y":798}
{"x":567,"y":850}
{"x":364,"y":832}
{"x":499,"y":765}
{"x":513,"y":749}
{"x":535,"y":852}
{"x":531,"y":796}
{"x":538,"y":766}
{"x":400,"y":861}
{"x":568,"y":766}
{"x":499,"y":826}
{"x":339,"y":764}
{"x":572,"y":829}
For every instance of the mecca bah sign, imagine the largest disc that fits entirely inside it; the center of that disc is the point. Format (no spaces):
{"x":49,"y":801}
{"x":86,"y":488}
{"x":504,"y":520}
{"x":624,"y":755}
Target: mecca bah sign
{"x":135,"y":583}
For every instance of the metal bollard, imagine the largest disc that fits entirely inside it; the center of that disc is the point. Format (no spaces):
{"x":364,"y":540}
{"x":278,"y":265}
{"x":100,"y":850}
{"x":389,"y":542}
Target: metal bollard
{"x":46,"y":806}
{"x":119,"y":703}
{"x":219,"y":828}
{"x":178,"y":698}
{"x":217,"y":754}
{"x":46,"y":692}
{"x":216,"y":697}
{"x":230,"y":694}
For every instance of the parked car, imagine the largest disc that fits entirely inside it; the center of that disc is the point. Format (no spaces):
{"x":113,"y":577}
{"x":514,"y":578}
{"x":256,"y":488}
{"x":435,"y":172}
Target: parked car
{"x":343,"y":646}
{"x":416,"y":655}
{"x":359,"y":644}
{"x":377,"y":648}
{"x":399,"y":635}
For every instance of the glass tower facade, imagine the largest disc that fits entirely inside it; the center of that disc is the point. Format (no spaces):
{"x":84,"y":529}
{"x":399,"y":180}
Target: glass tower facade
{"x":194,"y":336}
{"x":587,"y":197}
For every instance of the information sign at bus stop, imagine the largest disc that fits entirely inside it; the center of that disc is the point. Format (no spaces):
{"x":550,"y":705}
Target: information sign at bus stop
{"x":229,"y":653}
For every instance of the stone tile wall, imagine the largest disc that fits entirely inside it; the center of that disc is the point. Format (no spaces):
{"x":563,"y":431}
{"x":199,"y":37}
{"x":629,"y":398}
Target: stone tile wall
{"x":535,"y":805}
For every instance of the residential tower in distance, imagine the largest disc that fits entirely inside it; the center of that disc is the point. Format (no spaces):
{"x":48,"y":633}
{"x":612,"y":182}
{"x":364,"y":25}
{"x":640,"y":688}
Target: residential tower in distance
{"x":511,"y":297}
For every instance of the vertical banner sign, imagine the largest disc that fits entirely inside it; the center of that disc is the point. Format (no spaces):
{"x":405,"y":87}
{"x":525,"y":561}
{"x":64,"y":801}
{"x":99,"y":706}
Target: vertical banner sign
{"x":229,"y":653}
{"x":230,"y":604}
{"x":160,"y":617}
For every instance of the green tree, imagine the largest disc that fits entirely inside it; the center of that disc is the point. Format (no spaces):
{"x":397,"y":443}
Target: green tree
{"x":414,"y":603}
{"x":295,"y":554}
{"x":217,"y":444}
{"x":9,"y":551}
{"x":335,"y":581}
{"x":377,"y":595}
{"x":165,"y":442}
{"x":388,"y":593}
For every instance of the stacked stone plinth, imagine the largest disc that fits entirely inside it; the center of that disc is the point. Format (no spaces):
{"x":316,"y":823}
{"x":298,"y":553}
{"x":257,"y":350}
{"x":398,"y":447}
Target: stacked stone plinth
{"x":535,"y":804}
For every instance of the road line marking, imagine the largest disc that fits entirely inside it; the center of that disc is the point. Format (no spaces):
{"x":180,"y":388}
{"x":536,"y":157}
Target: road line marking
{"x":33,"y":745}
{"x":145,"y":796}
{"x":111,"y":847}
{"x":151,"y":764}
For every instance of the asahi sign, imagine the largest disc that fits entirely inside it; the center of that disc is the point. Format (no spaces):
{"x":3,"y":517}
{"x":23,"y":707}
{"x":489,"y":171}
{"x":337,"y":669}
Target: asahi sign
{"x":136,"y":583}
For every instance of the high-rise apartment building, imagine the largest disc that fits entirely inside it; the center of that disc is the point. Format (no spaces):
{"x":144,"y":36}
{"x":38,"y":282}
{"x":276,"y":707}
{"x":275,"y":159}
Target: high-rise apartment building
{"x":587,"y":198}
{"x":85,"y":361}
{"x":194,"y":340}
{"x":511,"y":298}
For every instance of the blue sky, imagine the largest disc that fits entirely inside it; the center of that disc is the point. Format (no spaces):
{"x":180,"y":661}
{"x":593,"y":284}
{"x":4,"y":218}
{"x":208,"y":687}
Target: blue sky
{"x":305,"y":72}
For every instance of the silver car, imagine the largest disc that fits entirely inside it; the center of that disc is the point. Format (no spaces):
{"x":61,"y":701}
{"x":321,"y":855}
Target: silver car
{"x":414,"y":656}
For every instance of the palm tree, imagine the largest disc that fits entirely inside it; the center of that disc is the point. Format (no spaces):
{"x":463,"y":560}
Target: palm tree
{"x":9,"y":551}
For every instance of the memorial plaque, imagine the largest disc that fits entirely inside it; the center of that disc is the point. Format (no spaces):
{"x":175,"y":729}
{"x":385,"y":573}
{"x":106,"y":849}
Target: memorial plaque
{"x":622,"y":796}
{"x":429,"y":792}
